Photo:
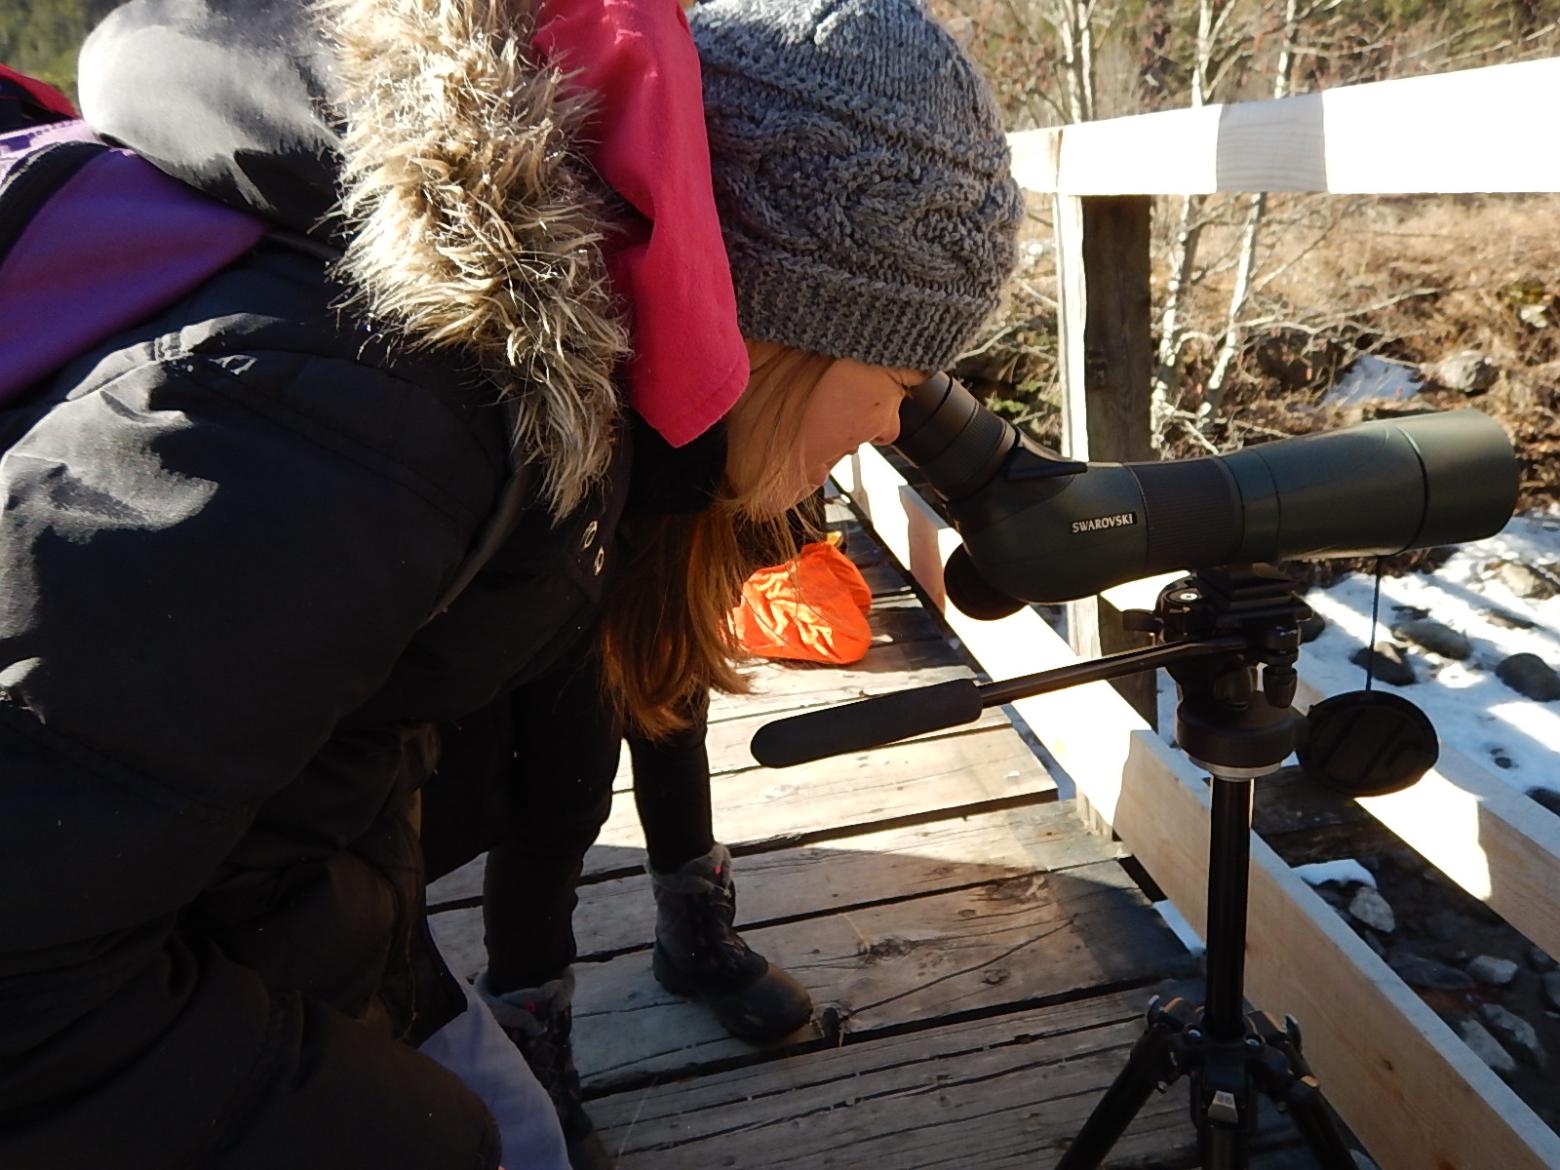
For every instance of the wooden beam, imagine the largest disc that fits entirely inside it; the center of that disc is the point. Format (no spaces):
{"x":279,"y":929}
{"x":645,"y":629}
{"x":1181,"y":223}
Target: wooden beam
{"x":1397,"y":1074}
{"x":1107,"y":354}
{"x":1453,"y":132}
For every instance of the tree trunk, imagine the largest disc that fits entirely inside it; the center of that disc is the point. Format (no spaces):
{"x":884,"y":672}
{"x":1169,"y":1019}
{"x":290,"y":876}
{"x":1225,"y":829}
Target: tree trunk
{"x":1229,"y":348}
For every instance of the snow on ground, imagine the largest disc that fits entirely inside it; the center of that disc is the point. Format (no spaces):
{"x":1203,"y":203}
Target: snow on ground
{"x":1343,"y":872}
{"x":1472,"y":710}
{"x":1371,"y":378}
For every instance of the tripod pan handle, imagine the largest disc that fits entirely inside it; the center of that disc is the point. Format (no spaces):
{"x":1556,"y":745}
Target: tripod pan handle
{"x":868,"y":723}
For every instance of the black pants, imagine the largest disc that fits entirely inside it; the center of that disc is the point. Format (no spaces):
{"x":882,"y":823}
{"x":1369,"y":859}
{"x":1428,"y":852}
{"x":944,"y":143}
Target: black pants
{"x":529,"y":780}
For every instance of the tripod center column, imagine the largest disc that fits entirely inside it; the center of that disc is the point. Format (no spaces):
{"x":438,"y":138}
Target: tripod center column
{"x":1229,"y":860}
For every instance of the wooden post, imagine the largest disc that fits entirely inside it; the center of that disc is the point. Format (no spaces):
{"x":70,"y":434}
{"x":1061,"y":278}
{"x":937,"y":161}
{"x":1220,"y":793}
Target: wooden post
{"x":1106,"y":361}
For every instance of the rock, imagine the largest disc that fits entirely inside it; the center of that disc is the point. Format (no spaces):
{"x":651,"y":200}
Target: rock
{"x":1311,"y":628}
{"x":1530,"y":675}
{"x":1495,"y":972}
{"x":1518,"y":1036}
{"x":1535,"y":316}
{"x":1510,"y":620}
{"x":1373,"y":941}
{"x":1486,"y":1047}
{"x":1418,"y":971}
{"x":1371,"y":908}
{"x":1552,"y":989}
{"x":1389,"y":664}
{"x":1469,"y":372}
{"x":1547,"y":797}
{"x":1446,"y":924}
{"x":1524,"y":580}
{"x":1539,"y":959}
{"x":1434,"y":636}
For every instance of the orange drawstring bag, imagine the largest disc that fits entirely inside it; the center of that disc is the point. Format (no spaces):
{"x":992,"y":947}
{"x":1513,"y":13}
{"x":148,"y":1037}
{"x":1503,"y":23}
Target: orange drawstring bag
{"x":812,"y":608}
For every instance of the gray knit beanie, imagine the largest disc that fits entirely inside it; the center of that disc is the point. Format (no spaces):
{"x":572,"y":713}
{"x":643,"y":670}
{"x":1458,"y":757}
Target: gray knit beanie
{"x":861,"y":173}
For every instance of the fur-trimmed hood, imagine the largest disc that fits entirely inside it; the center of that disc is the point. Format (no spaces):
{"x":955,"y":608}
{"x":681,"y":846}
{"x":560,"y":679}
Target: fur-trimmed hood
{"x":424,"y":138}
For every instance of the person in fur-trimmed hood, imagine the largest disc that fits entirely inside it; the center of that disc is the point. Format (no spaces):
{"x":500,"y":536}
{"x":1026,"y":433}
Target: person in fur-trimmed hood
{"x":494,"y":422}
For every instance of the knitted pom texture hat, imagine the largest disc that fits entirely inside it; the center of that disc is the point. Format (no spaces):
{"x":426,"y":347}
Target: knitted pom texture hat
{"x":861,"y":173}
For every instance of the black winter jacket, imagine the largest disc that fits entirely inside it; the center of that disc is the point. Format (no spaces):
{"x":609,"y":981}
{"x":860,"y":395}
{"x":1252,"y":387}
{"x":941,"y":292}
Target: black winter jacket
{"x":223,"y":535}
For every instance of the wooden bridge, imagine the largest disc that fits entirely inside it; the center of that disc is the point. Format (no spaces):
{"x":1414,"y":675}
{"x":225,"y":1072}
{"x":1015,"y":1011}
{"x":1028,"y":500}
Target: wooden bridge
{"x":980,"y":960}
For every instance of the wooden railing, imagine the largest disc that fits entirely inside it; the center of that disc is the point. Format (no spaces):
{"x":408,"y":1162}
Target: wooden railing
{"x":1412,"y":1091}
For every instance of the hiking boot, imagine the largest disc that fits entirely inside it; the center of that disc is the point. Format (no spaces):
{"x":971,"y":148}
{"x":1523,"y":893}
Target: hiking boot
{"x":539,"y":1020}
{"x":697,"y":953}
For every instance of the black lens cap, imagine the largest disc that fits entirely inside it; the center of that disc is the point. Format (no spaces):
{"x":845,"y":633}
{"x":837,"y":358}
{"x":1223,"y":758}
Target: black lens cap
{"x":1367,"y":743}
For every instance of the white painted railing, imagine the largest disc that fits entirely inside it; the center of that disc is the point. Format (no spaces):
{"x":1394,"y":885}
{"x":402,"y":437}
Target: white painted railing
{"x":1478,"y":130}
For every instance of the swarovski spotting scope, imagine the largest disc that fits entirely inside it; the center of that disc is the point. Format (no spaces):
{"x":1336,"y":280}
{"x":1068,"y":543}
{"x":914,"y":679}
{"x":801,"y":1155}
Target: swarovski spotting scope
{"x":1038,"y":527}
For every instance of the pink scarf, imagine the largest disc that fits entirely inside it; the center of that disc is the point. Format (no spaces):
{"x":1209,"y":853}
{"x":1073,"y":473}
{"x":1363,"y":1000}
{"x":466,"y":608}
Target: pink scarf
{"x":689,"y":364}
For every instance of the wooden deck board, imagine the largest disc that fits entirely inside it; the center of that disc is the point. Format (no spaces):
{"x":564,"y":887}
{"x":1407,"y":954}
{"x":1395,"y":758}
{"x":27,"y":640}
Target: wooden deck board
{"x":951,"y":775}
{"x":879,"y":967}
{"x":886,"y":865}
{"x":1004,"y":1092}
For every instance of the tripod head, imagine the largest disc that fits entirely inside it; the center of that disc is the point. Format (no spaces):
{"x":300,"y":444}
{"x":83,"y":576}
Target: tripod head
{"x":1234,"y":716}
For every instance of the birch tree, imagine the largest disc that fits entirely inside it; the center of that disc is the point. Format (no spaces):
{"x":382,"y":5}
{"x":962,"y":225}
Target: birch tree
{"x":1295,"y":13}
{"x":1212,"y":64}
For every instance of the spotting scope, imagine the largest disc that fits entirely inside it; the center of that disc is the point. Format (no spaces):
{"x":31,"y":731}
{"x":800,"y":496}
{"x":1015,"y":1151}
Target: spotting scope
{"x":1038,"y":527}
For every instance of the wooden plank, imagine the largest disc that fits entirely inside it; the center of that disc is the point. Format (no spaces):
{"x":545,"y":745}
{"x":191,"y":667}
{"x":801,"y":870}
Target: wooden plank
{"x":907,"y":780}
{"x":1102,"y":247}
{"x":994,"y":1094}
{"x":990,"y":947}
{"x":829,"y":877}
{"x":1118,"y":348}
{"x":1482,"y":834}
{"x":952,"y":774}
{"x":1454,"y":132}
{"x":1398,"y":1075}
{"x":886,"y":668}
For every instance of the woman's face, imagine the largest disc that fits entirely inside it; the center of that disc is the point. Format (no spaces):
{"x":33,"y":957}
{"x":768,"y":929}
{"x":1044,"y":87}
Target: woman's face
{"x":853,"y":403}
{"x":779,"y":453}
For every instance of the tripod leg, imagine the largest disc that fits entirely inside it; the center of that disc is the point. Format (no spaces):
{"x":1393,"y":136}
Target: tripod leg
{"x":1222,"y":1149}
{"x":1150,"y":1065}
{"x":1318,"y":1129}
{"x":1292,"y":1085}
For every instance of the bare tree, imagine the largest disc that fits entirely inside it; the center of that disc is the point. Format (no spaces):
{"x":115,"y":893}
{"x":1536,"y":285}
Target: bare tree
{"x":1295,"y":13}
{"x":1211,"y":66}
{"x":1073,"y":22}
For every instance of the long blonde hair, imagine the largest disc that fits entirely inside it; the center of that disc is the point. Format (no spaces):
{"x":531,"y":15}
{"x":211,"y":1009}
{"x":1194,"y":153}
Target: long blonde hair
{"x":666,"y":634}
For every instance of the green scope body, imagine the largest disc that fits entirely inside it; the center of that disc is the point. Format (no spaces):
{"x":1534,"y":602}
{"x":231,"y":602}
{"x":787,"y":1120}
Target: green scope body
{"x":1038,"y":527}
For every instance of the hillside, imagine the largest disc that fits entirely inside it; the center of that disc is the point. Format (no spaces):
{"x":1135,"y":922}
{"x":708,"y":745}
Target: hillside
{"x":41,"y":37}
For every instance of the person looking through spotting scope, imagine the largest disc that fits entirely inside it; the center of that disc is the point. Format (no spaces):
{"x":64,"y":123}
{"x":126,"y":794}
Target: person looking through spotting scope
{"x":355,"y":557}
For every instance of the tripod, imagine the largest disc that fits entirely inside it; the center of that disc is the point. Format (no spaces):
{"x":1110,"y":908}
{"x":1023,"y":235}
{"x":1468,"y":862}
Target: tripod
{"x":1229,"y":638}
{"x":1239,"y":729}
